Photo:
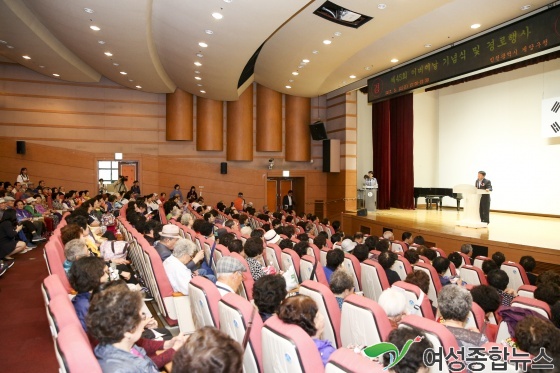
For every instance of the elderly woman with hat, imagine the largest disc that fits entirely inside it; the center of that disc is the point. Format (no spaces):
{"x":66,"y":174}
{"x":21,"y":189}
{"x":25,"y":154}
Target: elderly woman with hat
{"x":169,"y":236}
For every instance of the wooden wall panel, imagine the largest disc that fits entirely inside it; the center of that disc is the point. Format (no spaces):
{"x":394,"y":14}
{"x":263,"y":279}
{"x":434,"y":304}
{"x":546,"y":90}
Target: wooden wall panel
{"x":209,"y":125}
{"x":269,"y":120}
{"x":298,"y":138}
{"x":240,"y":127}
{"x":179,"y":116}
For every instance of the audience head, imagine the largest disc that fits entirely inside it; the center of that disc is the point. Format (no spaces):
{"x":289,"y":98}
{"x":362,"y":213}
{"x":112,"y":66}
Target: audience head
{"x":229,"y":270}
{"x":253,"y":247}
{"x":347,"y":245}
{"x":454,"y":303}
{"x":549,"y":293}
{"x":532,"y":333}
{"x":488,"y":266}
{"x":257,"y":233}
{"x":528,"y":263}
{"x":336,"y":238}
{"x":169,"y":235}
{"x":387,"y":259}
{"x":335,"y":225}
{"x":341,"y":283}
{"x":371,"y":242}
{"x":430,"y":254}
{"x":549,"y":276}
{"x":268,"y":292}
{"x":420,"y":279}
{"x":286,"y":244}
{"x":394,"y":304}
{"x":301,"y":248}
{"x":456,"y":259}
{"x":413,"y":361}
{"x":335,"y":258}
{"x":486,"y":297}
{"x":302,"y":311}
{"x":498,"y":279}
{"x":358,"y":237}
{"x":320,"y":241}
{"x":406,"y":237}
{"x":87,"y":273}
{"x":382,"y":245}
{"x":361,"y":252}
{"x":303,"y":237}
{"x":75,"y":249}
{"x":388,"y":235}
{"x":235,"y":246}
{"x":419,"y":240}
{"x":184,"y":250}
{"x":498,"y":257}
{"x":466,"y":248}
{"x":226,"y":238}
{"x":441,"y":265}
{"x":207,"y":229}
{"x":412,"y":256}
{"x":70,"y":232}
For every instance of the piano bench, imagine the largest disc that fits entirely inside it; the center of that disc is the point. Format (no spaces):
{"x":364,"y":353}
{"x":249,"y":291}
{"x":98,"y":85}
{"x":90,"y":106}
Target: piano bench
{"x":433,"y":200}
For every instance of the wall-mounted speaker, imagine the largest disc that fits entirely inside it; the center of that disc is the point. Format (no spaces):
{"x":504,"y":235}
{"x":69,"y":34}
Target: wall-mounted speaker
{"x":223,"y":168}
{"x":20,"y":147}
{"x":318,"y":131}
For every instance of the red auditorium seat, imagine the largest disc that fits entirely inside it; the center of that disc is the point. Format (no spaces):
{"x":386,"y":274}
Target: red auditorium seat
{"x":306,"y":264}
{"x":274,"y":255}
{"x":402,"y":267}
{"x":345,"y":360}
{"x":248,"y":282}
{"x":290,"y":259}
{"x":435,"y":284}
{"x":374,"y":279}
{"x":363,"y":322}
{"x":466,"y":259}
{"x":418,"y":302}
{"x":516,"y":274}
{"x":479,"y":260}
{"x":527,"y":291}
{"x":352,"y":265}
{"x":74,"y":352}
{"x":533,"y":304}
{"x":204,"y":297}
{"x":52,"y":287}
{"x":473,"y":275}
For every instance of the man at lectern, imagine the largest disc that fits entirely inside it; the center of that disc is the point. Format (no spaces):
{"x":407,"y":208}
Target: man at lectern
{"x":483,"y":183}
{"x":371,"y":182}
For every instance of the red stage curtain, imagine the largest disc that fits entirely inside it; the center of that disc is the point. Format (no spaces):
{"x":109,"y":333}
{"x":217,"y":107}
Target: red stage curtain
{"x":393,"y":152}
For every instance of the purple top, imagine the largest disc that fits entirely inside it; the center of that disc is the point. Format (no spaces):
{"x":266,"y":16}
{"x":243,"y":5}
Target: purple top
{"x":325,"y":349}
{"x":23,"y":214}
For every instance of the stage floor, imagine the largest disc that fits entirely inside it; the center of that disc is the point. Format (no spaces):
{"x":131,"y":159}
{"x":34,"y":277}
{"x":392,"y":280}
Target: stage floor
{"x":525,"y":230}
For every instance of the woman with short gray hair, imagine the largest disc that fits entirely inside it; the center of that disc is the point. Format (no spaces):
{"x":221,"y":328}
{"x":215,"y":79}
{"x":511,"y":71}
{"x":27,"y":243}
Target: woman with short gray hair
{"x":454,"y":304}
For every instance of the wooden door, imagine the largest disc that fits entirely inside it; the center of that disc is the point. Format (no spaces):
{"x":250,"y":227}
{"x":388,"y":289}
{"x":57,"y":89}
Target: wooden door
{"x":285,"y":186}
{"x":130,"y":170}
{"x":271,"y":194}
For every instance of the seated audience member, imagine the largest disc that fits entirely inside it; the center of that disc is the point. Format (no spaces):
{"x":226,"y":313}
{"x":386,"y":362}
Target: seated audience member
{"x":406,"y":238}
{"x":467,"y":249}
{"x":74,"y":250}
{"x":289,"y":231}
{"x":499,"y":280}
{"x":302,"y":311}
{"x":342,"y":285}
{"x":259,"y":232}
{"x":454,"y":304}
{"x":533,"y":333}
{"x":301,"y":248}
{"x":209,"y":350}
{"x":187,"y":220}
{"x":548,"y":293}
{"x":246,"y":231}
{"x":169,"y":236}
{"x":320,"y":241}
{"x":271,"y":237}
{"x":268,"y":292}
{"x":412,"y":256}
{"x":9,"y":230}
{"x":303,"y":237}
{"x":347,"y":245}
{"x":441,"y":265}
{"x":253,"y":251}
{"x":285,"y":244}
{"x":207,"y":230}
{"x":488,"y":266}
{"x":413,"y":360}
{"x":394,"y":304}
{"x":236,"y":246}
{"x":225,"y":238}
{"x":115,"y":319}
{"x":388,"y":235}
{"x":336,"y":226}
{"x":419,"y":241}
{"x":386,"y":260}
{"x":383,"y":245}
{"x":498,"y":258}
{"x":528,"y":263}
{"x":335,"y":258}
{"x":422,"y":280}
{"x":361,"y":252}
{"x":555,"y":311}
{"x":229,"y":272}
{"x":457,"y":261}
{"x":175,"y":266}
{"x":86,"y":274}
{"x":487,"y":298}
{"x":548,"y":276}
{"x":359,"y":237}
{"x":371,"y":242}
{"x":336,"y":240}
{"x":430,"y":254}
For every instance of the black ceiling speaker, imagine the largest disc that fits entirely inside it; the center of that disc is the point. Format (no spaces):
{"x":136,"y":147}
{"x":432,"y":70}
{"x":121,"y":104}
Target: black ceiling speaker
{"x":318,"y":131}
{"x":20,"y":147}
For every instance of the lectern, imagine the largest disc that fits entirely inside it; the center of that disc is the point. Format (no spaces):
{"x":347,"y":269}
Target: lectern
{"x":370,"y":197}
{"x":471,"y":214}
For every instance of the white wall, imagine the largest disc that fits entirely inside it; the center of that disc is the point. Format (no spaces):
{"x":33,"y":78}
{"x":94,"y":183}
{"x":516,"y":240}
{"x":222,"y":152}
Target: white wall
{"x":426,"y":140}
{"x":365,"y":140}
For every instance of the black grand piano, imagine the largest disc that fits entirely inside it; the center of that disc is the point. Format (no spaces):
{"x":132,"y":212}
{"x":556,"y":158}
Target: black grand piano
{"x":435,"y":196}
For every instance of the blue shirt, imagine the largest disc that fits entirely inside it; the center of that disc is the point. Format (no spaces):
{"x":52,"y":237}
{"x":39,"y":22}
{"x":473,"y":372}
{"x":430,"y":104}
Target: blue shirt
{"x":81,"y":305}
{"x":328,"y":273}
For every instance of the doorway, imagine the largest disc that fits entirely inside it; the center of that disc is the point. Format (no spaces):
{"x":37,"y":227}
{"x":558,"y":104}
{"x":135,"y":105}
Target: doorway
{"x":278,"y":187}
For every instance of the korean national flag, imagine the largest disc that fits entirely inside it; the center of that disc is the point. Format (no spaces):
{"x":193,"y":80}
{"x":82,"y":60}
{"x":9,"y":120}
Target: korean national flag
{"x":551,"y":117}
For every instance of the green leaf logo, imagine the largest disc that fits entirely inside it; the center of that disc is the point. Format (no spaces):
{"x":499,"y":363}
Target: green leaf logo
{"x":385,"y":347}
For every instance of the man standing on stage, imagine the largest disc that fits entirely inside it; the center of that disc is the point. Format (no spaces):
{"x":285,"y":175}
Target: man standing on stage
{"x":483,"y":183}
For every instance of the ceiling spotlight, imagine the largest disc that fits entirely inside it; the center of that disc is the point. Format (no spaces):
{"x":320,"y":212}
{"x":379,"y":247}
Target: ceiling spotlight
{"x":352,"y":76}
{"x":200,"y":55}
{"x":367,"y":68}
{"x":101,"y":42}
{"x":10,"y":46}
{"x":197,"y":63}
{"x":56,"y":74}
{"x":115,"y":64}
{"x":108,"y":54}
{"x":26,"y":57}
{"x":139,"y":86}
{"x":315,"y":52}
{"x":198,"y":78}
{"x":123,"y":72}
{"x":88,"y":10}
{"x":3,"y":42}
{"x":305,"y":61}
{"x":130,"y":80}
{"x":94,"y":28}
{"x":288,"y":86}
{"x":525,"y":7}
{"x":295,"y":73}
{"x":198,"y":84}
{"x":217,"y":15}
{"x":228,"y":1}
{"x":41,"y":66}
{"x":202,"y":91}
{"x":291,"y":80}
{"x":203,"y":44}
{"x":301,"y":66}
{"x":428,"y":45}
{"x":381,"y":6}
{"x":394,"y":60}
{"x":209,"y":32}
{"x":197,"y":72}
{"x":337,"y":34}
{"x":327,"y":41}
{"x":475,"y":25}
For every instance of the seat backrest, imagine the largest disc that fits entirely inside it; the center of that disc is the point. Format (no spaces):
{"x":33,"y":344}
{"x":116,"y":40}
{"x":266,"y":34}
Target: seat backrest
{"x":290,"y":258}
{"x":363,"y":322}
{"x":465,"y":259}
{"x":62,"y":313}
{"x":398,"y":247}
{"x":374,"y":279}
{"x":76,"y":354}
{"x":248,"y":281}
{"x":55,"y":265}
{"x":473,"y":275}
{"x":287,"y":348}
{"x":204,"y":297}
{"x":274,"y":255}
{"x":52,"y":287}
{"x":439,"y":252}
{"x":323,"y":255}
{"x":306,"y":267}
{"x":436,"y":333}
{"x":235,"y":314}
{"x":418,"y":303}
{"x":533,"y":304}
{"x":479,"y":260}
{"x":344,"y":360}
{"x":162,"y":216}
{"x":313,"y":250}
{"x":402,"y":267}
{"x":352,"y":265}
{"x":328,"y":306}
{"x":527,"y":291}
{"x":423,"y":259}
{"x":435,"y":283}
{"x":503,"y":332}
{"x":219,"y":252}
{"x":516,"y":274}
{"x":477,"y":315}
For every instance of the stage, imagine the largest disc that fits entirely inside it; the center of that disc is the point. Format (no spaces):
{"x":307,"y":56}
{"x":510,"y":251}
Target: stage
{"x":513,"y":234}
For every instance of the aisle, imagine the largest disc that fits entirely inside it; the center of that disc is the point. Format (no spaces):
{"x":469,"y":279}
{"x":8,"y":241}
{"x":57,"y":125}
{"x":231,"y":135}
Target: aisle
{"x":27,"y":344}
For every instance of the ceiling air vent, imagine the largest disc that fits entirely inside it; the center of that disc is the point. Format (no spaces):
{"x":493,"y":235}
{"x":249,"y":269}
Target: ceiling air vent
{"x":342,"y":16}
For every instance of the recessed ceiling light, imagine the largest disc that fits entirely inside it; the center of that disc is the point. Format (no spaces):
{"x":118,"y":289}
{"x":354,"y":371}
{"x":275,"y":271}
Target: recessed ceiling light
{"x":130,"y":80}
{"x":315,"y":52}
{"x":305,"y":61}
{"x":123,"y":72}
{"x":108,"y":54}
{"x":88,"y":10}
{"x":203,"y":44}
{"x":301,"y":66}
{"x":352,"y":76}
{"x":3,"y":42}
{"x":327,"y":41}
{"x":56,"y":74}
{"x":228,"y":1}
{"x":381,"y":6}
{"x":394,"y":60}
{"x":198,"y":84}
{"x":197,"y":72}
{"x":209,"y":32}
{"x":337,"y":34}
{"x":139,"y":86}
{"x":101,"y":42}
{"x":198,"y":63}
{"x":288,"y":86}
{"x":26,"y":57}
{"x":94,"y":28}
{"x":525,"y":7}
{"x":367,"y":67}
{"x":200,"y":55}
{"x":428,"y":45}
{"x":10,"y":46}
{"x":198,"y":78}
{"x":291,"y":80}
{"x":475,"y":25}
{"x":115,"y":64}
{"x":42,"y":67}
{"x":217,"y":15}
{"x":295,"y":73}
{"x":202,"y":91}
